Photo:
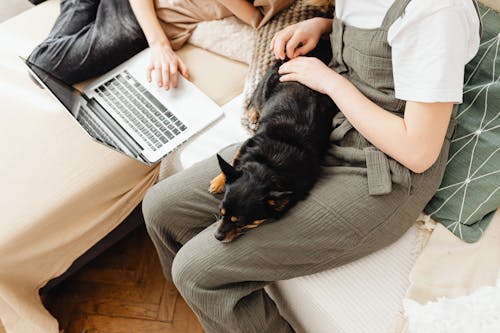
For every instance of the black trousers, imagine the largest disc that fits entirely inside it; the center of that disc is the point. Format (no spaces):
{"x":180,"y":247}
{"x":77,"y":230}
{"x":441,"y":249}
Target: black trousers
{"x":89,"y":38}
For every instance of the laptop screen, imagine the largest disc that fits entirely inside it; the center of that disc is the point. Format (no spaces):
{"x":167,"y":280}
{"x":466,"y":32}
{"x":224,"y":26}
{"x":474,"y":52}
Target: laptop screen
{"x":64,"y":92}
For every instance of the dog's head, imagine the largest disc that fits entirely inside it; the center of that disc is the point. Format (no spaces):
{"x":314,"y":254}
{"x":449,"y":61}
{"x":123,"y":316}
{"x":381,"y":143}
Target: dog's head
{"x":249,"y":200}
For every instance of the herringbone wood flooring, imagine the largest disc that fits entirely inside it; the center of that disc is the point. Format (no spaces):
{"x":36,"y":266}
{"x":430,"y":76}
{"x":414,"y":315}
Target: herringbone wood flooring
{"x":122,"y":291}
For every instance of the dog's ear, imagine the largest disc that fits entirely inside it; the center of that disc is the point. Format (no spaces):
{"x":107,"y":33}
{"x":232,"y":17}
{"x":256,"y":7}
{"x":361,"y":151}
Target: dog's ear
{"x":271,"y":80}
{"x":278,"y":200}
{"x":228,"y":170}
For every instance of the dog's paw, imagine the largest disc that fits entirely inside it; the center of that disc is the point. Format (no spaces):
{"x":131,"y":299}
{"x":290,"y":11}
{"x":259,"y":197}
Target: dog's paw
{"x":251,"y":117}
{"x":217,"y":184}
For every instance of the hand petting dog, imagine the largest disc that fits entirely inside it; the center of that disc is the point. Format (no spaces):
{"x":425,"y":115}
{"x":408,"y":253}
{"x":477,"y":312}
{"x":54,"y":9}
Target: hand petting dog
{"x":309,"y":71}
{"x":299,"y":39}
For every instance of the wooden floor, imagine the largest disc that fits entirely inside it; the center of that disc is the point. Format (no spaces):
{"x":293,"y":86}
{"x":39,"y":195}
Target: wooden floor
{"x":122,"y":291}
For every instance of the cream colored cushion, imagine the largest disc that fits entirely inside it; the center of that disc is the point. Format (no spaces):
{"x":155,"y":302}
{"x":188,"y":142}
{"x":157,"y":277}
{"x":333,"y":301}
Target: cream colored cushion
{"x":361,"y":297}
{"x":228,"y":37}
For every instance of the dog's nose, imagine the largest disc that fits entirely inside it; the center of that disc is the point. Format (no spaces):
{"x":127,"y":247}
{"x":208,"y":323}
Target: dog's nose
{"x":220,"y":235}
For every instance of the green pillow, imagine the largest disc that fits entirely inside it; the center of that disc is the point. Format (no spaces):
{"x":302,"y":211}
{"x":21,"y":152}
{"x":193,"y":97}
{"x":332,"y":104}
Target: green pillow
{"x":470,"y":191}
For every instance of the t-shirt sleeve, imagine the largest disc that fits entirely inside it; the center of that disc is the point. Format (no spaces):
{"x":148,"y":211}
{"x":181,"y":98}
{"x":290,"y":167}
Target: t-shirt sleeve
{"x":430,"y":50}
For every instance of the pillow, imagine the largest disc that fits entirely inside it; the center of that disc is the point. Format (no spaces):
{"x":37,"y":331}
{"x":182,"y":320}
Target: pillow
{"x":228,"y":37}
{"x":262,"y":57}
{"x":470,"y":190}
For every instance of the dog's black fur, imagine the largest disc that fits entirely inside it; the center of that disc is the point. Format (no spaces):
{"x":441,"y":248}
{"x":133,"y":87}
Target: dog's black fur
{"x":278,"y":166}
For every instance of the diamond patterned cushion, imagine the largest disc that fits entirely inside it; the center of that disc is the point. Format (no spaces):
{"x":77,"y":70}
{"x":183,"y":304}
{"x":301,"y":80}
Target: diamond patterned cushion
{"x":470,"y":191}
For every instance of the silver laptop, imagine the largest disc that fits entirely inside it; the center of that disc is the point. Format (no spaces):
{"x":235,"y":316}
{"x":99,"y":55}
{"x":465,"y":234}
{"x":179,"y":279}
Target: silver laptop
{"x":124,"y":111}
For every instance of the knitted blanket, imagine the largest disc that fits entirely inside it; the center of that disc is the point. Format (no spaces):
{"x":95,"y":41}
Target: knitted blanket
{"x":262,"y":57}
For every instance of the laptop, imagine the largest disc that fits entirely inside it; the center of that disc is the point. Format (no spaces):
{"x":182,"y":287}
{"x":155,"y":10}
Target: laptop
{"x":125,"y":112}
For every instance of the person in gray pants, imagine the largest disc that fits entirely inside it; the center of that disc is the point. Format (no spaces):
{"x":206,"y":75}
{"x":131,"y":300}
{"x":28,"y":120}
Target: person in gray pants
{"x":385,"y":161}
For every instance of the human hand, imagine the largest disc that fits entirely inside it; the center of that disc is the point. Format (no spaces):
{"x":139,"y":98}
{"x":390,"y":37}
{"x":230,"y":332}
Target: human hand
{"x":166,"y":65}
{"x":299,"y":39}
{"x":309,"y":71}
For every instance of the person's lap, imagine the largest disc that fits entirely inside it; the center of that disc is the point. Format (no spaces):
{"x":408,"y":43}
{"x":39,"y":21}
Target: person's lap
{"x":224,"y":283}
{"x":323,"y":231}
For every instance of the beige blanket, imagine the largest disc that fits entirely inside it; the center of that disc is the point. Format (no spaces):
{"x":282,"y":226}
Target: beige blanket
{"x":61,"y":191}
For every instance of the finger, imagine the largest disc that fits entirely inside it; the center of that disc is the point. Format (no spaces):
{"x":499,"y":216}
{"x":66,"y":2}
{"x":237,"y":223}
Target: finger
{"x":173,"y":74}
{"x":289,"y":77}
{"x":288,"y":67}
{"x":291,"y":45}
{"x":284,"y":69}
{"x":272,"y":43}
{"x":281,"y":41}
{"x":304,"y":49}
{"x":183,"y":68}
{"x":149,"y":69}
{"x":159,"y":78}
{"x":166,"y":76}
{"x":277,"y":43}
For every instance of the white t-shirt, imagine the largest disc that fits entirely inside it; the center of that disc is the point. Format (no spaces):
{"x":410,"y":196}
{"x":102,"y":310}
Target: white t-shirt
{"x":431,"y":43}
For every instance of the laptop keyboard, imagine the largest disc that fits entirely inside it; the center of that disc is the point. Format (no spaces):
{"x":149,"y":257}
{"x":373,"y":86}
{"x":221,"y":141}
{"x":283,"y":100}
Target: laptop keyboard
{"x":140,"y":110}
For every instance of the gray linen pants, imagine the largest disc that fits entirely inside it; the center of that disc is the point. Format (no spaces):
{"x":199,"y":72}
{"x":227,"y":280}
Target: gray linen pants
{"x":224,"y":283}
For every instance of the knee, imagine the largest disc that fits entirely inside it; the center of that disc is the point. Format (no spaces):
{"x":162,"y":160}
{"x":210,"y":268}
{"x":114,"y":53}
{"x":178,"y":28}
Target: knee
{"x":191,"y":272}
{"x":161,"y":208}
{"x":153,"y":209}
{"x":45,"y":58}
{"x":40,"y":56}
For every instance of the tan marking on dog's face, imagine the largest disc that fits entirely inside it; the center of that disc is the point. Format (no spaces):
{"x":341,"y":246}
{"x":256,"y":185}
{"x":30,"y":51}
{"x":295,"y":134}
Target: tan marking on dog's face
{"x":281,"y":205}
{"x":234,"y":219}
{"x":233,"y":234}
{"x":277,"y":206}
{"x":223,"y":211}
{"x":254,"y":224}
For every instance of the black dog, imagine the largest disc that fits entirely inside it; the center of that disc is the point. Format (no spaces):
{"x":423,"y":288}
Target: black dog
{"x":278,"y":166}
